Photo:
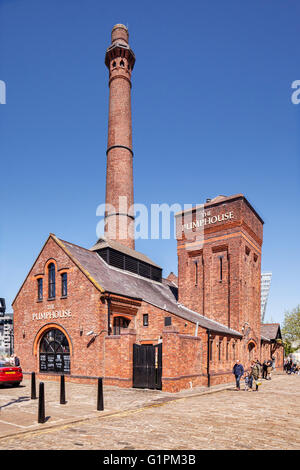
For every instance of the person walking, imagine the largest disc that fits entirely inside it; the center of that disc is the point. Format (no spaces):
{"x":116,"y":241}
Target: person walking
{"x":238,"y":371}
{"x":247,"y":382}
{"x":269,"y":370}
{"x":259,"y":368}
{"x":255,"y":369}
{"x":264,"y":368}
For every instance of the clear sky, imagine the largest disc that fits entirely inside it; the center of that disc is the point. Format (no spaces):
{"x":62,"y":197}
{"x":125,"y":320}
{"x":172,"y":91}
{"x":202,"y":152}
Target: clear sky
{"x":212,"y":114}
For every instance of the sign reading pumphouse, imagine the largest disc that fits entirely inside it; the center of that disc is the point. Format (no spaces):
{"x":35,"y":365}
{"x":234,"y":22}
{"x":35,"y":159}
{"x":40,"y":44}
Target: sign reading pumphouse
{"x":114,"y":315}
{"x":207,"y":220}
{"x":51,"y":315}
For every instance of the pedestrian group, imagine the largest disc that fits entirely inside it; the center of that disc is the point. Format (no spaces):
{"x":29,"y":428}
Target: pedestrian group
{"x":257,"y":371}
{"x":291,"y":367}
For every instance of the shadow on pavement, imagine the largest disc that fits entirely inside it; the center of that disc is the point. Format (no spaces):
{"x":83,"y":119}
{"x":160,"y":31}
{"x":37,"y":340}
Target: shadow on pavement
{"x":13,"y":402}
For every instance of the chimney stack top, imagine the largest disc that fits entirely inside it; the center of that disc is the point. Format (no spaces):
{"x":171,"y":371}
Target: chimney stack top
{"x":119,"y":33}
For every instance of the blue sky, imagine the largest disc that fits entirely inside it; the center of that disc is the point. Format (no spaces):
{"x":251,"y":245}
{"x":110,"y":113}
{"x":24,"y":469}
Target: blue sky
{"x":212,"y":114}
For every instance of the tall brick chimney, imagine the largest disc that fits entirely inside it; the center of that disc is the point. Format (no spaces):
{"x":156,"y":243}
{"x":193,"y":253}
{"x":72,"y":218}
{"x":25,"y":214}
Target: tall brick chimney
{"x":119,"y":216}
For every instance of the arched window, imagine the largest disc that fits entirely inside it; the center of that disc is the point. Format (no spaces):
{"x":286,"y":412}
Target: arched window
{"x":54,"y":352}
{"x":251,"y":350}
{"x":51,"y":281}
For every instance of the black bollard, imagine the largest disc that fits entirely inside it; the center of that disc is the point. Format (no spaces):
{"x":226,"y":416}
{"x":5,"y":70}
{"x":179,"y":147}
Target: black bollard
{"x":33,"y":388}
{"x":62,"y":390}
{"x":100,"y":406}
{"x":41,"y":417}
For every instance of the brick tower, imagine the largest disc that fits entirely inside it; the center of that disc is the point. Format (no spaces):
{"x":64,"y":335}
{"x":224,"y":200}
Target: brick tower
{"x":219,"y":264}
{"x":119,"y":216}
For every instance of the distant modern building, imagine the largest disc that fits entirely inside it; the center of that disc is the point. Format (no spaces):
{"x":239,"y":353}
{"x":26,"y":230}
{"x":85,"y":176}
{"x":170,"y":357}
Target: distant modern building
{"x":265,"y":288}
{"x":2,"y":306}
{"x":6,"y":334}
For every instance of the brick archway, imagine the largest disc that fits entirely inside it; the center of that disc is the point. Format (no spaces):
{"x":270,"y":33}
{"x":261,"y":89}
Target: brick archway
{"x":43,"y":330}
{"x":251,"y":348}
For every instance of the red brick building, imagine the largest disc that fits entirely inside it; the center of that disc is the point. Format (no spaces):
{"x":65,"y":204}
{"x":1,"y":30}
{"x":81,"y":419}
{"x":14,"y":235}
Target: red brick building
{"x":107,"y":311}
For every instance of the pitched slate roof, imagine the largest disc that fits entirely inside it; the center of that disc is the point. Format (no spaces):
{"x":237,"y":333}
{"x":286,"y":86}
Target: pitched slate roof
{"x":116,"y":281}
{"x":270,"y":330}
{"x":264,"y":338}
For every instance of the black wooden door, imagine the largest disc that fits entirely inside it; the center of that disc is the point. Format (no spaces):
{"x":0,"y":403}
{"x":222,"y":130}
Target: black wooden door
{"x":147,"y":366}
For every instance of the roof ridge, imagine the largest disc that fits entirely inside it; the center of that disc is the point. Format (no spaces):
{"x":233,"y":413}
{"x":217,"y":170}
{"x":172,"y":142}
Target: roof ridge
{"x":74,"y":244}
{"x":77,"y":262}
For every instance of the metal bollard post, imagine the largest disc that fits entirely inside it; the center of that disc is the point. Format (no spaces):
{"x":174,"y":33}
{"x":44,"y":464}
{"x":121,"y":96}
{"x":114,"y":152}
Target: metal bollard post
{"x":62,"y":390}
{"x":100,"y":406}
{"x":41,"y":416}
{"x":33,"y":387}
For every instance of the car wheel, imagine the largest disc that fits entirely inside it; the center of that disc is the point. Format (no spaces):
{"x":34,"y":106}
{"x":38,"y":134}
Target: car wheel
{"x":16,"y":384}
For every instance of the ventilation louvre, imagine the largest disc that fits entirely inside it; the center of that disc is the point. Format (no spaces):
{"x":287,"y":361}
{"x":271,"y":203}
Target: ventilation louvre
{"x":129,"y":263}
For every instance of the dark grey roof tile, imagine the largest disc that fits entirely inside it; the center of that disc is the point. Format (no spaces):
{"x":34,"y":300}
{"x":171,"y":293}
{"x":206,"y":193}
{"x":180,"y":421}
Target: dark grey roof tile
{"x":124,"y":283}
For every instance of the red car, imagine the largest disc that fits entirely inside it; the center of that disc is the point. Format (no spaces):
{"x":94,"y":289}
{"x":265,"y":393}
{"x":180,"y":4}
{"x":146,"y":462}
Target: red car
{"x":10,"y":375}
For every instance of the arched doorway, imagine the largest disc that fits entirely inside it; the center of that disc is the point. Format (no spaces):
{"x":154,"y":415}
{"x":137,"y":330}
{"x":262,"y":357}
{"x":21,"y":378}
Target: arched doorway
{"x":251,"y":350}
{"x":54,"y":352}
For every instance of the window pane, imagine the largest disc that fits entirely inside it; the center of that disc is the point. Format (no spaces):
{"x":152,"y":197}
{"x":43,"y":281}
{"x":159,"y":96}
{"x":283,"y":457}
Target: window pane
{"x":53,"y":347}
{"x":64,"y":283}
{"x":40,"y":288}
{"x":51,"y":280}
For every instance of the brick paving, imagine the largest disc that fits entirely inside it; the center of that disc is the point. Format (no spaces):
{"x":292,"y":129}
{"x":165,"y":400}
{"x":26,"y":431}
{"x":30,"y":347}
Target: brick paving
{"x":144,"y":419}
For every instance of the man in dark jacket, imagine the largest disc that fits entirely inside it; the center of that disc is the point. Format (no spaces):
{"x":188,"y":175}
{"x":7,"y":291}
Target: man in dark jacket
{"x":264,"y":373}
{"x":238,"y":371}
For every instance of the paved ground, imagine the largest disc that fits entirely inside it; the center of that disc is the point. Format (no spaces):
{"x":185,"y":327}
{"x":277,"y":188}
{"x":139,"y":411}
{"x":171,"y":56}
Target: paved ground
{"x":144,"y":419}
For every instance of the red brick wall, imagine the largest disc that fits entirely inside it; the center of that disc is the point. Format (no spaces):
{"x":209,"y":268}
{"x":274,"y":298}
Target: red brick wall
{"x":278,"y":353}
{"x":156,"y":316}
{"x":269,"y":350}
{"x":185,"y":360}
{"x":87,"y":312}
{"x":182,"y":361}
{"x":119,"y":358}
